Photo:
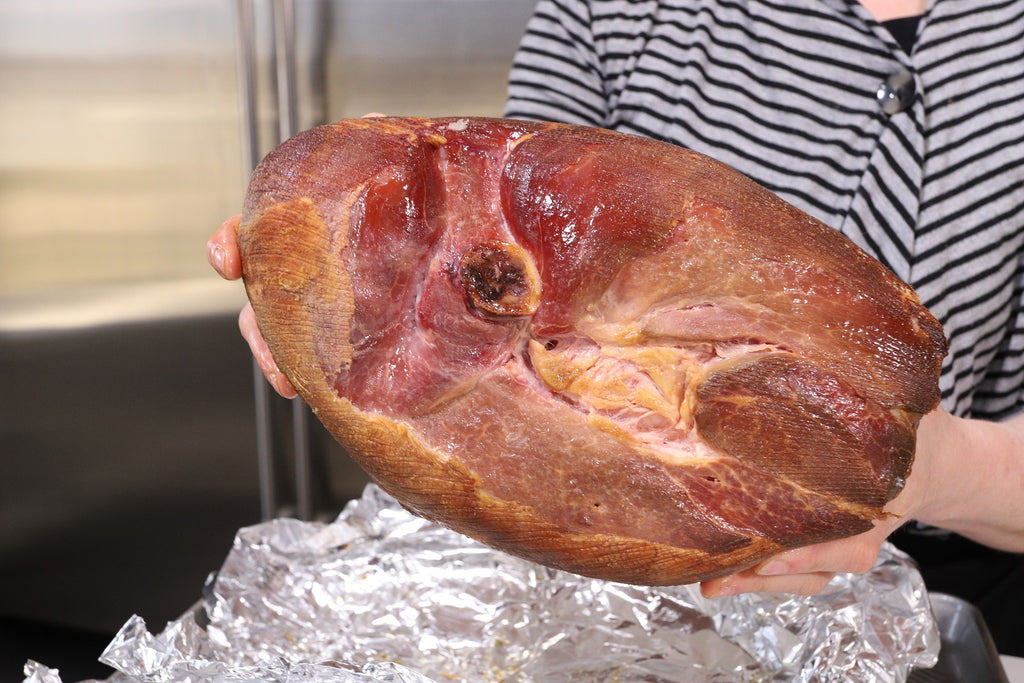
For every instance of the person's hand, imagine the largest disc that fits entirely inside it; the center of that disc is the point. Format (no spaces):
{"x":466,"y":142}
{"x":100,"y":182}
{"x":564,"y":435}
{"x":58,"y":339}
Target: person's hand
{"x":222,"y":253}
{"x":967,"y":477}
{"x":807,"y":570}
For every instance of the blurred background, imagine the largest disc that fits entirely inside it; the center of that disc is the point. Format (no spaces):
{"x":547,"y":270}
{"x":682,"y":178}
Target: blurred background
{"x":134,"y":437}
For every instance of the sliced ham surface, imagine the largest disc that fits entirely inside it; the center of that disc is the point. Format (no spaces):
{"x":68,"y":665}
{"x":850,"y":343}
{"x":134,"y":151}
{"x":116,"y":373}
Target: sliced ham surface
{"x":604,"y":353}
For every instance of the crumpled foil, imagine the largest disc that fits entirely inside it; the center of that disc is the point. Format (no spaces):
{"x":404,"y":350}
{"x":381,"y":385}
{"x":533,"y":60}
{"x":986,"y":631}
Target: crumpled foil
{"x":382,"y":595}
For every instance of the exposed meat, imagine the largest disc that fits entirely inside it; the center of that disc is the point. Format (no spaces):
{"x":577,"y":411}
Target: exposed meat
{"x":597,"y":351}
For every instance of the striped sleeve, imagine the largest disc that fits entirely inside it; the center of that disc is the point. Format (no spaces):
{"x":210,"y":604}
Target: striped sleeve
{"x":1000,"y":395}
{"x":556,"y":75}
{"x":968,"y":254}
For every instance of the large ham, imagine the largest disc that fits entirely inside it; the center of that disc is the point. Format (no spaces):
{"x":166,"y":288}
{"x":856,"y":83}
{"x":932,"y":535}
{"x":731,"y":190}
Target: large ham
{"x":600,"y":352}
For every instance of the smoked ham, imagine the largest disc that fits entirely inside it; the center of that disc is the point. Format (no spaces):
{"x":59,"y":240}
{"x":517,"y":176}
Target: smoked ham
{"x":597,"y":351}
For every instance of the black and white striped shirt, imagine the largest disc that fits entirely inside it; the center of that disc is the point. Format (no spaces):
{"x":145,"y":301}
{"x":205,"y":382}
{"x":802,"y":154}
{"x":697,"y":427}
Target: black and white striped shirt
{"x":787,"y":91}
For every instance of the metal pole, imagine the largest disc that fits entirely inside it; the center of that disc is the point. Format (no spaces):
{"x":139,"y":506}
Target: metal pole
{"x":284,"y":43}
{"x":250,"y":156}
{"x":284,"y":57}
{"x":247,"y":84}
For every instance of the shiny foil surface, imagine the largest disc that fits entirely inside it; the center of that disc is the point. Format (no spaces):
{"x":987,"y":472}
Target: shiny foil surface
{"x":382,"y":595}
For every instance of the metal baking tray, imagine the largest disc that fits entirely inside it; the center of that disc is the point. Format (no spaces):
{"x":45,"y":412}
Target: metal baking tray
{"x":968,"y":654}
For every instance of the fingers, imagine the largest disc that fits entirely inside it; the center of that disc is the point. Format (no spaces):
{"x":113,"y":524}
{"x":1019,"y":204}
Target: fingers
{"x":222,"y":249}
{"x":222,"y":253}
{"x":261,"y":352}
{"x":855,"y":555}
{"x":804,"y":571}
{"x":750,"y":582}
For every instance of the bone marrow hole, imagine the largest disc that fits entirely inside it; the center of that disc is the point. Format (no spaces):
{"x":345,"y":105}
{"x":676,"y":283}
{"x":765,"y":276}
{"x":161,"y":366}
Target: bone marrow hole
{"x":500,"y":279}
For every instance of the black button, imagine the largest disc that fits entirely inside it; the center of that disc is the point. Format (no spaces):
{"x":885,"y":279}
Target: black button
{"x":896,"y":92}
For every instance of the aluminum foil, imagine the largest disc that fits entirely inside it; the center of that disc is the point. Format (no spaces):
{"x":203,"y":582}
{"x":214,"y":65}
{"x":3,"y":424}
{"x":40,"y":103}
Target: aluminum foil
{"x":382,"y":595}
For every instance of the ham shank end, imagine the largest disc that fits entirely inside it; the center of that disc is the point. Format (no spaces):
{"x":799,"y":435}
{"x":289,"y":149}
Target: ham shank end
{"x":600,"y":352}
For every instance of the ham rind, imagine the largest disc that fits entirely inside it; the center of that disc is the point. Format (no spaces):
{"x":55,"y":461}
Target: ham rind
{"x":600,"y":352}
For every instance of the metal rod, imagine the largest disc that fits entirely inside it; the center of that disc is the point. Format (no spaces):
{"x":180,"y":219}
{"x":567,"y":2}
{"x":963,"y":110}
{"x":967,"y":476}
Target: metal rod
{"x":250,"y":156}
{"x":284,"y":57}
{"x":284,"y":52}
{"x":303,"y":460}
{"x":247,"y":84}
{"x":264,"y":446}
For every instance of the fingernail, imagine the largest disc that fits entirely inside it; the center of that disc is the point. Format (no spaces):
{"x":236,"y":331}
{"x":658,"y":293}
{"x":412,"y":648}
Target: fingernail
{"x":776,"y":568}
{"x":217,"y":257}
{"x":725,"y":592}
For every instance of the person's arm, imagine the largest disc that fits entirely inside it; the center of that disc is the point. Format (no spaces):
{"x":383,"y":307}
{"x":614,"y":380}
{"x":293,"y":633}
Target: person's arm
{"x":967,"y":477}
{"x":976,"y":470}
